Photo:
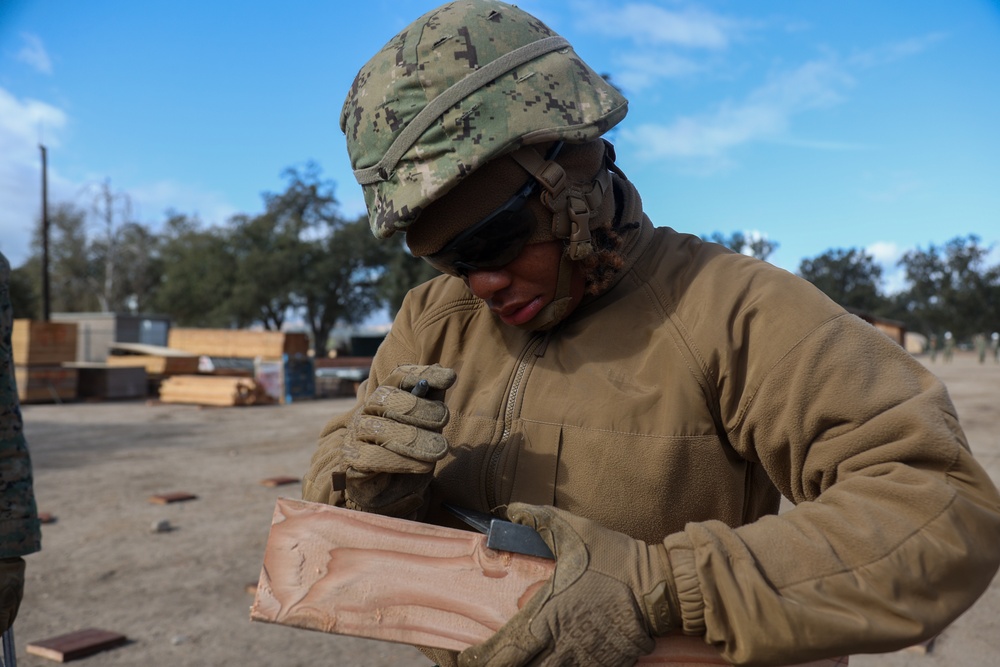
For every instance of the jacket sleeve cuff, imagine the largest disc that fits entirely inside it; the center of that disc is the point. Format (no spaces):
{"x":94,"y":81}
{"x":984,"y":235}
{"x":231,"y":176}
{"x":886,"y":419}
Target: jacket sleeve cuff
{"x":692,"y":603}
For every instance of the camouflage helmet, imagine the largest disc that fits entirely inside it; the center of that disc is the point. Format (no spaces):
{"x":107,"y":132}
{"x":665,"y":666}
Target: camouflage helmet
{"x":464,"y":83}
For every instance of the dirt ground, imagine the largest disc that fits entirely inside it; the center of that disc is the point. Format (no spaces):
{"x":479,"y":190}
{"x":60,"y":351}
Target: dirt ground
{"x":180,"y":596}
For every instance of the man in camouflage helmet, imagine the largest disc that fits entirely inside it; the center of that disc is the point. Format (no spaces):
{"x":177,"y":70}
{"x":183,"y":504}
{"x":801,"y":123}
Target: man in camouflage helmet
{"x":641,"y":398}
{"x":19,"y":532}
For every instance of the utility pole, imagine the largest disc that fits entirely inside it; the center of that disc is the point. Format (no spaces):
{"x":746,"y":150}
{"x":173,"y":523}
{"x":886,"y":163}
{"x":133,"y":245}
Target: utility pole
{"x":45,"y":237}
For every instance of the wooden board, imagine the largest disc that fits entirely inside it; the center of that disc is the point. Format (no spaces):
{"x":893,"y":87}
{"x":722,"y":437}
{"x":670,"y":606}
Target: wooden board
{"x":279,"y":481}
{"x":335,"y":570}
{"x":240,"y":343}
{"x":38,"y":343}
{"x":173,"y":497}
{"x":75,"y":645}
{"x":45,"y":384}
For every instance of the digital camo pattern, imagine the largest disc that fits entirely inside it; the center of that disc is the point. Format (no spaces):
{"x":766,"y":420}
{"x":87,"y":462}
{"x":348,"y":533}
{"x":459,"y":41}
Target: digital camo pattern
{"x":19,"y":531}
{"x":555,"y":96}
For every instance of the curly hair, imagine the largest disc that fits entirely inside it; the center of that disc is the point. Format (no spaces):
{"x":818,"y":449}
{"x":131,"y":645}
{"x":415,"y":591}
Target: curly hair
{"x":601,"y":267}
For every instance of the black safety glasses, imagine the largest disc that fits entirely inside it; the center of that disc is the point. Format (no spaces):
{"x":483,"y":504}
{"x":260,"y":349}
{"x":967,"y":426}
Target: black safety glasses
{"x":497,"y":239}
{"x":493,"y":241}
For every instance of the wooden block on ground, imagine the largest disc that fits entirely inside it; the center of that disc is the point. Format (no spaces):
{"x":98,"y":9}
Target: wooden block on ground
{"x":174,"y":497}
{"x":279,"y":481}
{"x":354,"y":573}
{"x":77,"y":644}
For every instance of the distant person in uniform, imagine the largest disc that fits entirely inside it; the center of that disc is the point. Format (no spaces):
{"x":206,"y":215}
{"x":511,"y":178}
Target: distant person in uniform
{"x":949,"y":347}
{"x":933,"y":347}
{"x":19,"y":530}
{"x":995,"y":347}
{"x":979,"y":340}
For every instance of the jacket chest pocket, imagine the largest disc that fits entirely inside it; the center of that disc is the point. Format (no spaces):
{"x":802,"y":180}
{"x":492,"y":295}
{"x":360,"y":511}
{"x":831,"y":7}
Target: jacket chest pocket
{"x":645,"y":486}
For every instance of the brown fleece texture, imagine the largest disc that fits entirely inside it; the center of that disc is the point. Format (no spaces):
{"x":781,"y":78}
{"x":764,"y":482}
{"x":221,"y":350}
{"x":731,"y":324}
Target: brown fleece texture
{"x":488,"y":187}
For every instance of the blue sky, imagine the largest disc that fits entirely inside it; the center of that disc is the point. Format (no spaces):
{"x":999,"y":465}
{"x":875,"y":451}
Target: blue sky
{"x":822,"y":124}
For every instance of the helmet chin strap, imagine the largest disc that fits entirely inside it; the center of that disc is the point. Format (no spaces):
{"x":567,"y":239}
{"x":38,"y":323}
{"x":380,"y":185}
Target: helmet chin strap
{"x":572,"y":205}
{"x":552,"y":314}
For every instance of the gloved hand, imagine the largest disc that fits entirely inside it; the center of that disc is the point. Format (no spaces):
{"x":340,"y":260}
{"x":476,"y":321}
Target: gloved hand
{"x":392,"y":444}
{"x":11,"y":590}
{"x":609,"y":596}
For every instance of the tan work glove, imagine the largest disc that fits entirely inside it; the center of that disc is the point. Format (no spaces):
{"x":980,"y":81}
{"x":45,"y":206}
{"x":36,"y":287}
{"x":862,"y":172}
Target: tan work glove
{"x":609,"y":596}
{"x":392,"y":444}
{"x":11,"y":590}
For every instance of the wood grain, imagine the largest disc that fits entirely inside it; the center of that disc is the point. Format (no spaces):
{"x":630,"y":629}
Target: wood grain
{"x":335,"y":570}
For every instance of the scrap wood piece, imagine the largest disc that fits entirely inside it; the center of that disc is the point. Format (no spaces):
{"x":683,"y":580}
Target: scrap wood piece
{"x":279,"y":481}
{"x":77,"y":644}
{"x":174,"y":497}
{"x":353,"y":573}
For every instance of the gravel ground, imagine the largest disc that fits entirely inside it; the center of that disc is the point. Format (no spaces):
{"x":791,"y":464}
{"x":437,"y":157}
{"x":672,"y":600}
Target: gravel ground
{"x":180,"y":595}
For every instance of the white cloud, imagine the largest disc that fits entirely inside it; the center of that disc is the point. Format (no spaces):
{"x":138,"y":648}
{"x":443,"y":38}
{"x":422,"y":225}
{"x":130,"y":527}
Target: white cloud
{"x":765,"y":113}
{"x":650,"y":24}
{"x":885,"y":252}
{"x":640,"y":71}
{"x":887,"y":255}
{"x":34,"y":54}
{"x":894,"y":51}
{"x":22,"y":123}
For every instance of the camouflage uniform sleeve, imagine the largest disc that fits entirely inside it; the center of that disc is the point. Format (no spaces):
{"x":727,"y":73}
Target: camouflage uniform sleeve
{"x":19,"y":530}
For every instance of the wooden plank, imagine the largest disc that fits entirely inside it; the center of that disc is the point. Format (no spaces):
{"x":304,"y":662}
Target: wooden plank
{"x":77,"y":644}
{"x":238,"y":343}
{"x":173,"y":497}
{"x":279,"y":481}
{"x":352,"y":573}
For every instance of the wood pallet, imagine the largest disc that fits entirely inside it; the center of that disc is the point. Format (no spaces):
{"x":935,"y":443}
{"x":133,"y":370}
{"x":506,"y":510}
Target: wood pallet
{"x":352,"y":573}
{"x":213,"y":390}
{"x":238,"y":343}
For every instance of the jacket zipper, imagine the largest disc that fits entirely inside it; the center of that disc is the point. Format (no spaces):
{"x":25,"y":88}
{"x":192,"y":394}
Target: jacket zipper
{"x":508,"y":420}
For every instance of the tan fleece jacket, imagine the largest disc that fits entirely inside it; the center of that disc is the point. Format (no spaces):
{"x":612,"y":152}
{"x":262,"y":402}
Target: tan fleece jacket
{"x":679,"y":406}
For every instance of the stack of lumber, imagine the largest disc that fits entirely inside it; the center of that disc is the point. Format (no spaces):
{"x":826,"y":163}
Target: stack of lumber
{"x":211,"y":390}
{"x":157,"y":360}
{"x":40,"y":350}
{"x":238,"y":343}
